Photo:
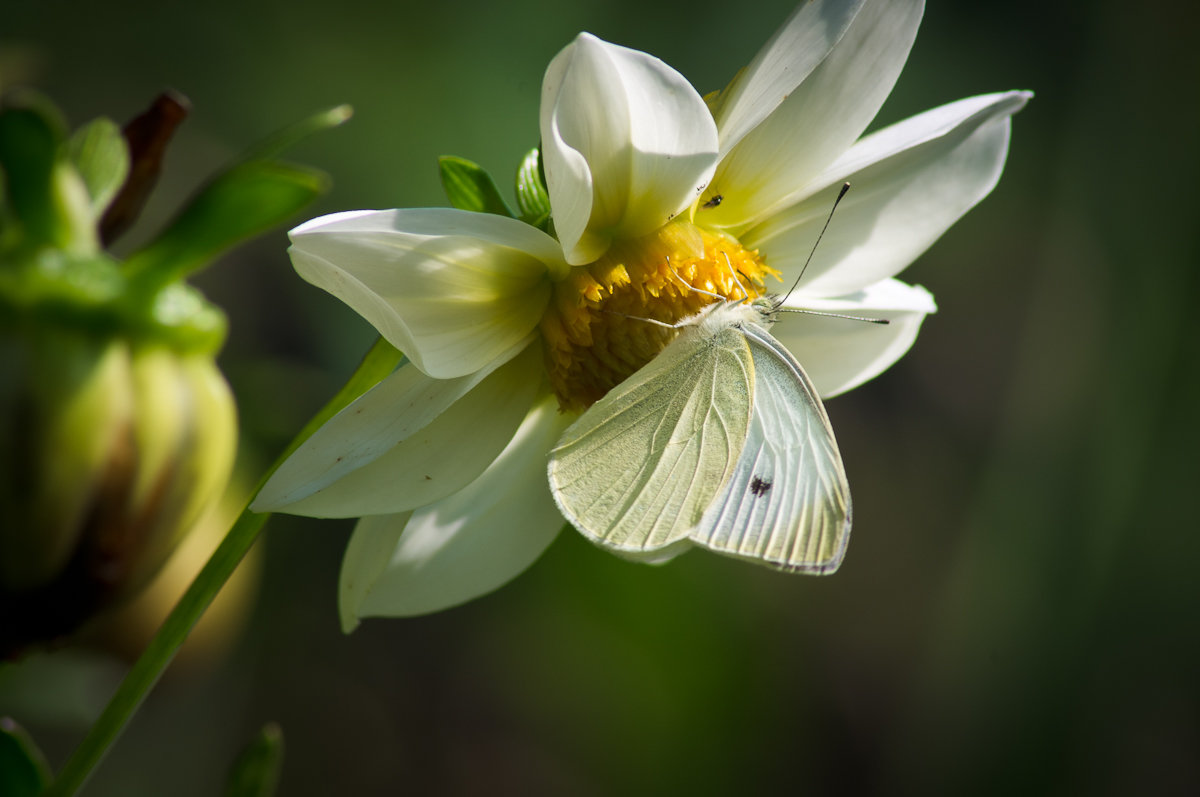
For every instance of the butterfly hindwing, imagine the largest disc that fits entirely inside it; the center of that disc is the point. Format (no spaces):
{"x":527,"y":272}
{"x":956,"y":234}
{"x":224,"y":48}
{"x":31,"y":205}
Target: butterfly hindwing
{"x":788,"y":502}
{"x":637,"y":471}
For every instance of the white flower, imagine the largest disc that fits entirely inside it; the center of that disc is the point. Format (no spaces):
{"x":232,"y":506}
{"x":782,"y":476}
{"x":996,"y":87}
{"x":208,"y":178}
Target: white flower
{"x":510,"y":332}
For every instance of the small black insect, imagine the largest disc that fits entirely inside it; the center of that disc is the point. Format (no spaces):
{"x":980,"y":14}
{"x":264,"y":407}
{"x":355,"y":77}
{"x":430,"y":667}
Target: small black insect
{"x":759,"y":487}
{"x":712,"y":203}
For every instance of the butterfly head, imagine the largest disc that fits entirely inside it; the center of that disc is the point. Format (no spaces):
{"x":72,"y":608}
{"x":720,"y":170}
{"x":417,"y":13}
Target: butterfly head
{"x":767,"y":307}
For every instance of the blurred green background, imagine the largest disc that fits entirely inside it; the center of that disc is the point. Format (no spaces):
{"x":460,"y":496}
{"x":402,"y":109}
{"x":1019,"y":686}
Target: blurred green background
{"x":1018,"y":610}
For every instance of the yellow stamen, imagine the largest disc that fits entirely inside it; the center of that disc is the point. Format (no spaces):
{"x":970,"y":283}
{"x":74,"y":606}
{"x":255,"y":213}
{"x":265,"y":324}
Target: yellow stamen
{"x":594,"y":330}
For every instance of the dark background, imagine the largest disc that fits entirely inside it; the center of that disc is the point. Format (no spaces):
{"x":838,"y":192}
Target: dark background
{"x":1018,"y":609}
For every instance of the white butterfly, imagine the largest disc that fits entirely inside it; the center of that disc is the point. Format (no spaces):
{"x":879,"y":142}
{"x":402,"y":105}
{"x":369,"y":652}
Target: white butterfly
{"x":720,"y":441}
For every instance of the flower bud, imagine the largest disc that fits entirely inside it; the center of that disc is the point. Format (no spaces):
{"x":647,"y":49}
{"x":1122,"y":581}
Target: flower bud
{"x":117,"y":430}
{"x":110,"y":450}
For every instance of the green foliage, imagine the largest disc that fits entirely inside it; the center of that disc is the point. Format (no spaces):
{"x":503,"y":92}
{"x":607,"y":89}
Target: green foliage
{"x":47,"y":203}
{"x":253,"y":195}
{"x":276,"y":144}
{"x":28,"y":143}
{"x":99,"y":154}
{"x":532,"y":197}
{"x":255,"y":773}
{"x":470,"y":187}
{"x":245,"y":201}
{"x":23,"y":769}
{"x":57,"y":189}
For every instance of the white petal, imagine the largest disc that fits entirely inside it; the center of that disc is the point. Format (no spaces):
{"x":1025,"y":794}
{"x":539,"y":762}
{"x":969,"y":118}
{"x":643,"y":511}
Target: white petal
{"x":464,"y":546}
{"x":946,"y":121}
{"x":449,"y":288}
{"x":366,"y":561}
{"x":841,"y":353}
{"x":820,"y":119}
{"x":401,"y":405}
{"x":908,"y":184}
{"x":627,"y":144}
{"x":797,"y":48}
{"x":439,"y":459}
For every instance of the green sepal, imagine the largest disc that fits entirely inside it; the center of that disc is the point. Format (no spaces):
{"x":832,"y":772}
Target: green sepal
{"x":469,"y":187}
{"x":182,"y":316}
{"x":246,"y":200}
{"x":90,"y":294}
{"x":24,"y":771}
{"x":52,"y":278}
{"x":255,"y":773}
{"x":100,"y":155}
{"x":532,"y":196}
{"x":45,"y":196}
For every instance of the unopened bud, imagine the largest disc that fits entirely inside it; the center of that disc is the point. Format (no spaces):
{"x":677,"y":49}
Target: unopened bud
{"x":109,"y":452}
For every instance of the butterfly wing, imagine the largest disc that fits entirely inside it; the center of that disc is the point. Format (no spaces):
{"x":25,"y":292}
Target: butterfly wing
{"x":639,"y":468}
{"x":788,"y":502}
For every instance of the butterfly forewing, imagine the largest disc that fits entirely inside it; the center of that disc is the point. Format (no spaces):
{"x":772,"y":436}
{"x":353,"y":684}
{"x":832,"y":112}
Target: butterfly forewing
{"x":638,"y":470}
{"x":788,"y":502}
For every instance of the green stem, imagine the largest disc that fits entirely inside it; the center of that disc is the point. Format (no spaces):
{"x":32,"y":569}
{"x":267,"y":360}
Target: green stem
{"x":161,"y":650}
{"x":144,"y":674}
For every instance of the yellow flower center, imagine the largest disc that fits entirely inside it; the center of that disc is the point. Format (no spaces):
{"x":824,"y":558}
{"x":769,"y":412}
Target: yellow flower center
{"x":594,"y":329}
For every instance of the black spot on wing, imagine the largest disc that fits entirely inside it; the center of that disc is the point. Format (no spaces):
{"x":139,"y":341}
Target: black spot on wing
{"x":760,"y":486}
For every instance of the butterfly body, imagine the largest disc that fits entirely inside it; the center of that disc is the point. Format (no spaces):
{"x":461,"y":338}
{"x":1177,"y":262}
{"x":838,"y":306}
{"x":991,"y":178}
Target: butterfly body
{"x":719,"y":442}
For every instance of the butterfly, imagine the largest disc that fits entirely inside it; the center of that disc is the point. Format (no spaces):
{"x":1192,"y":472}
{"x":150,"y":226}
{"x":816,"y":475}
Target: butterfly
{"x":720,"y":441}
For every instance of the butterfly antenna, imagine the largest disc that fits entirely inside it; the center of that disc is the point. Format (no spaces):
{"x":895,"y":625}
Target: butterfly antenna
{"x":829,"y":218}
{"x":880,"y":321}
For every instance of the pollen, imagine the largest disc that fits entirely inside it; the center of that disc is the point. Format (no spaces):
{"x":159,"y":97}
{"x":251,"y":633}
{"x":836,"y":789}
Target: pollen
{"x":595,"y":329}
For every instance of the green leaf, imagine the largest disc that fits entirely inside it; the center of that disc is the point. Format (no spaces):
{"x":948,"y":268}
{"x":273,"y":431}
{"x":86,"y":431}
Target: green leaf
{"x":246,"y":200}
{"x":44,"y":193}
{"x":24,"y":771}
{"x":470,"y":187}
{"x":256,"y":771}
{"x":101,"y":157}
{"x":288,"y":137}
{"x":28,"y":148}
{"x":532,"y":197}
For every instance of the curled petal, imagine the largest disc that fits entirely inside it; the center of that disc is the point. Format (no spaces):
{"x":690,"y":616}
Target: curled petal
{"x":451,"y":289}
{"x":820,"y":119}
{"x":427,"y":464}
{"x":627,"y":143}
{"x":908,"y":184}
{"x":841,"y":353}
{"x":463,"y":546}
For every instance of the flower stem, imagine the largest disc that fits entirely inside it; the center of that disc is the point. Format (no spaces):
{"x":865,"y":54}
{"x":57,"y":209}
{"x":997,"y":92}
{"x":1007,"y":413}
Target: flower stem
{"x":158,"y":654}
{"x":141,"y":678}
